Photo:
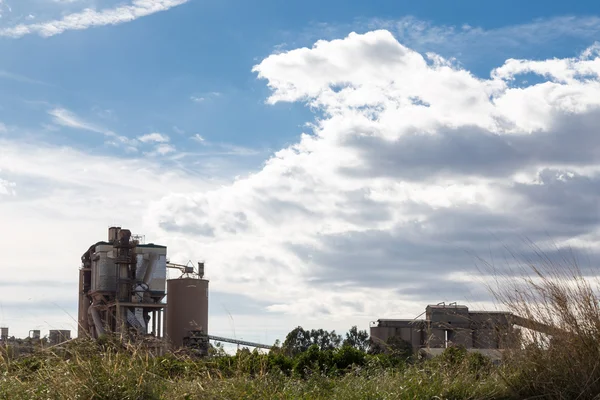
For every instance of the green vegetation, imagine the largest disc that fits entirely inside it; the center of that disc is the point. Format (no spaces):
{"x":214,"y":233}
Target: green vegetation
{"x":89,"y":370}
{"x":318,"y":364}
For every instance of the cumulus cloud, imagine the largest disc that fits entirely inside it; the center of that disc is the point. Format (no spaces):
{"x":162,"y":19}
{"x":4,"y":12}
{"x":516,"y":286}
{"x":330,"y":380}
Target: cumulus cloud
{"x":154,"y":137}
{"x":412,"y":169}
{"x":415,"y":167}
{"x":7,"y":188}
{"x":164,"y":149}
{"x":90,"y":17}
{"x":161,"y":149}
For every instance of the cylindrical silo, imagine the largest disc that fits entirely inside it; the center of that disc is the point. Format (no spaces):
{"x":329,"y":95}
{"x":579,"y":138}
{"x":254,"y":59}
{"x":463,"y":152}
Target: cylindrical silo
{"x":187,"y":308}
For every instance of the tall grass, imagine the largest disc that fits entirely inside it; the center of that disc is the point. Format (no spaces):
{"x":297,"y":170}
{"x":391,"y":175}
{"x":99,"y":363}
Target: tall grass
{"x":86,"y":370}
{"x":555,"y":296}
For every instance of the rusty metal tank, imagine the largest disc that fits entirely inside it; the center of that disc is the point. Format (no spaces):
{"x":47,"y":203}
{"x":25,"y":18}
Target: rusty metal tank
{"x":187,"y":308}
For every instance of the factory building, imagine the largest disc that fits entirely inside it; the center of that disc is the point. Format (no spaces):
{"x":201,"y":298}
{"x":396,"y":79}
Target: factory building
{"x":123,"y":286}
{"x":124,"y":290}
{"x":451,"y":325}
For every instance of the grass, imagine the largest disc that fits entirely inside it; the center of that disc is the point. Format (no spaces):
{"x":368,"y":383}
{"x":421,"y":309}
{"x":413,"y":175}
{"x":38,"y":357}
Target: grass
{"x":87,"y":370}
{"x":563,"y":361}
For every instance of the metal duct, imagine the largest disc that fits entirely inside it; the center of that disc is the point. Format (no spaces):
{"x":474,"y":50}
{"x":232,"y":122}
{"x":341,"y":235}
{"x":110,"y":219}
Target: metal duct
{"x":97,"y":320}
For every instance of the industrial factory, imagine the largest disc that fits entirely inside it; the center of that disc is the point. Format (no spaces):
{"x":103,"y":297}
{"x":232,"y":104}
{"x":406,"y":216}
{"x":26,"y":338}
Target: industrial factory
{"x":124,"y":290}
{"x":446,"y":325}
{"x":123,"y":286}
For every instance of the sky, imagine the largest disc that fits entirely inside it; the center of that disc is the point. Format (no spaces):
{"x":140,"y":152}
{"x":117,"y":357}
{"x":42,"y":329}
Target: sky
{"x":331,"y":162}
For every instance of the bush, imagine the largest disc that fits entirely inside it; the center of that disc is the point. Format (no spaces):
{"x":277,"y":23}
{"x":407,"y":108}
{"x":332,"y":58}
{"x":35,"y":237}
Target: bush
{"x":313,"y":361}
{"x":347,"y":356}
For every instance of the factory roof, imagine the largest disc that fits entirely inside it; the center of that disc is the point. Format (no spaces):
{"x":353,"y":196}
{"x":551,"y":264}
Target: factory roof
{"x":446,"y":306}
{"x":152,"y":245}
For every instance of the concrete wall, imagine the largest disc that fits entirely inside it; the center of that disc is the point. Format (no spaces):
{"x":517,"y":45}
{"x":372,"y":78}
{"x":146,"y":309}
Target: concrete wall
{"x":408,"y":330}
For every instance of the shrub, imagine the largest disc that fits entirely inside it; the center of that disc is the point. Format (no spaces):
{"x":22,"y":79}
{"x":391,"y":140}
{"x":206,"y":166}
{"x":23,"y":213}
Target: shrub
{"x":347,"y":356}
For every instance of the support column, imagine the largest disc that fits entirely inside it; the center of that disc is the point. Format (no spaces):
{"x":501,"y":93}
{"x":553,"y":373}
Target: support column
{"x":158,"y":323}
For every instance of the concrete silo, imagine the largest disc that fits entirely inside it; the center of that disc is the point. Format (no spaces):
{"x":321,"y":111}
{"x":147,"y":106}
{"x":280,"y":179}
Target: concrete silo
{"x":187,"y":311}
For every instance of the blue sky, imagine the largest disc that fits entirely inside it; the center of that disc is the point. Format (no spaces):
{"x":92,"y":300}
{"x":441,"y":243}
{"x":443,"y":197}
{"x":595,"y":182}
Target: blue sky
{"x":139,"y":77}
{"x":187,"y":116}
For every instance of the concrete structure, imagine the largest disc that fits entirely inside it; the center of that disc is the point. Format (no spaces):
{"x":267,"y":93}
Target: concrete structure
{"x":448,"y":325}
{"x":4,"y":334}
{"x":187,"y":312}
{"x":57,"y":336}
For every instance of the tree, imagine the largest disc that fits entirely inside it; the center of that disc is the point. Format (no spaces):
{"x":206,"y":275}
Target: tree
{"x":299,"y":340}
{"x":325,"y":340}
{"x":357,"y":339}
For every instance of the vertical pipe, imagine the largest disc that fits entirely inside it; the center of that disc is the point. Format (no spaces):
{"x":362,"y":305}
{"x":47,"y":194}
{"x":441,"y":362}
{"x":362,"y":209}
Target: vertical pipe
{"x":118,"y":318}
{"x":97,"y":322}
{"x":82,"y":319}
{"x":164,"y":320}
{"x":154,"y":323}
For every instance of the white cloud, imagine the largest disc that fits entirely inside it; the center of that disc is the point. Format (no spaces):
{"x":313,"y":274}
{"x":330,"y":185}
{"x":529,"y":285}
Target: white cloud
{"x":90,"y":17}
{"x":224,"y":149}
{"x":415,"y":165}
{"x":20,"y":78}
{"x":205,"y":96}
{"x":230,"y":149}
{"x":7,"y":188}
{"x":154,"y":137}
{"x":198,"y":138}
{"x":165,"y":149}
{"x":4,"y":7}
{"x":61,"y":189}
{"x":64,"y":117}
{"x":419,"y":33}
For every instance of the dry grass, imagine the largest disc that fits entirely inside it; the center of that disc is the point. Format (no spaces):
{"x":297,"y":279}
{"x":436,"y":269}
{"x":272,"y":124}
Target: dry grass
{"x":563,"y":361}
